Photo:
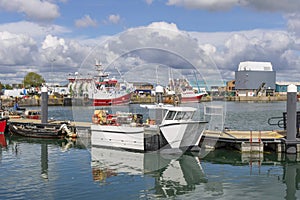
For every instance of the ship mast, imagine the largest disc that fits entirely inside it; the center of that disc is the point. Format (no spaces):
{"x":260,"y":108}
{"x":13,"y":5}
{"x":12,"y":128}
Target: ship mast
{"x":101,"y":73}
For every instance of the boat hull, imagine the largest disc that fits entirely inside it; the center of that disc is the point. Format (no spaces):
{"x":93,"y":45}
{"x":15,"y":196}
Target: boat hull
{"x":118,"y":137}
{"x":3,"y":123}
{"x":33,"y":132}
{"x":191,"y":98}
{"x":117,"y":100}
{"x":183,"y":135}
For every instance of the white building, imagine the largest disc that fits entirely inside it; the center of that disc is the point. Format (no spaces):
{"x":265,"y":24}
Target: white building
{"x":255,"y":79}
{"x":15,"y":93}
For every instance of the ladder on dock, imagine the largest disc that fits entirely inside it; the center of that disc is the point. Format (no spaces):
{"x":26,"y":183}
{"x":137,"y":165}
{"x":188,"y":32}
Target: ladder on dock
{"x":254,"y":145}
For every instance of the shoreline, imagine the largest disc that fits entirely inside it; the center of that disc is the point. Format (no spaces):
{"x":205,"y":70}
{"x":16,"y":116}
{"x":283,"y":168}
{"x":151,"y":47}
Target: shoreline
{"x":67,"y":101}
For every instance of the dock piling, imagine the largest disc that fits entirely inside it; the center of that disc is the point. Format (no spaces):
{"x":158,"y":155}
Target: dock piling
{"x":44,"y":105}
{"x":291,"y":107}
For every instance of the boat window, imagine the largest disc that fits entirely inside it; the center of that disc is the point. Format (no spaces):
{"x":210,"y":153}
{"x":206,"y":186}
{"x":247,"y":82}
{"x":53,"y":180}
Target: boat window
{"x":188,"y":115}
{"x":183,"y":115}
{"x":170,"y":115}
{"x":179,"y":115}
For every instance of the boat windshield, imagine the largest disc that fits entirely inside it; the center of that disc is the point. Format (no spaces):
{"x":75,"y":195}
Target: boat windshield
{"x":184,"y":115}
{"x":170,"y":115}
{"x":179,"y":115}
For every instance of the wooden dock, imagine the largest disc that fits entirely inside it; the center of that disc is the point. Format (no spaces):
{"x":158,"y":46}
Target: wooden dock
{"x":245,"y":141}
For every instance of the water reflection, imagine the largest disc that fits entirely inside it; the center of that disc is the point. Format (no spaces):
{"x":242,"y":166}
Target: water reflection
{"x":64,"y":144}
{"x":265,"y":165}
{"x":221,"y":174}
{"x":173,"y":175}
{"x":291,"y":176}
{"x":2,"y":140}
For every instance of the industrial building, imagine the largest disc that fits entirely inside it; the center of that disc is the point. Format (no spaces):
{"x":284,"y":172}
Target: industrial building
{"x":255,"y":79}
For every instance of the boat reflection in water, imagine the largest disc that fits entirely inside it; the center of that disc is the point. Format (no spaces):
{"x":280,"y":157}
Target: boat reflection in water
{"x":173,"y":174}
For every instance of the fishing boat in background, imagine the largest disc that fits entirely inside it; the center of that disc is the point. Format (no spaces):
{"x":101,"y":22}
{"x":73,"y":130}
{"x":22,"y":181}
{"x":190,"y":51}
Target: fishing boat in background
{"x":100,"y":90}
{"x":4,"y":116}
{"x":191,"y":96}
{"x":165,"y":127}
{"x":32,"y":114}
{"x":185,"y":92}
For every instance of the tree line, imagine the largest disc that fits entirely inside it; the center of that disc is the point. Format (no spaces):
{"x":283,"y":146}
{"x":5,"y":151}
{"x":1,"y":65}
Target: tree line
{"x":32,"y":79}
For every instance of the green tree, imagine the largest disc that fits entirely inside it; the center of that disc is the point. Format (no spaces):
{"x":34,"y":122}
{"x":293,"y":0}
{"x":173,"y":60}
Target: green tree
{"x":33,"y":80}
{"x":7,"y":86}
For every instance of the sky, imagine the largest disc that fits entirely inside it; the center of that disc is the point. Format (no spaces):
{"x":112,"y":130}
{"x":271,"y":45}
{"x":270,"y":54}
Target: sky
{"x":56,"y":38}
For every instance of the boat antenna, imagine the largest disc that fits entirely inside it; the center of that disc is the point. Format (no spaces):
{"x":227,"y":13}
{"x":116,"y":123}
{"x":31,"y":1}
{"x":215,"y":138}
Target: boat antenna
{"x":197,"y":82}
{"x":98,"y":64}
{"x":157,"y":75}
{"x":120,"y":74}
{"x":100,"y":69}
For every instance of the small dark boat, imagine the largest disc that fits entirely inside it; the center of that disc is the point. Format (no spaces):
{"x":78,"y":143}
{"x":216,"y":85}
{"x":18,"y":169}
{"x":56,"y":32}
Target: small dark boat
{"x":40,"y":130}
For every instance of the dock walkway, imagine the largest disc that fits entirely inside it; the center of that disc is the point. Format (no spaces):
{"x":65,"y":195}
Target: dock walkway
{"x":245,"y":141}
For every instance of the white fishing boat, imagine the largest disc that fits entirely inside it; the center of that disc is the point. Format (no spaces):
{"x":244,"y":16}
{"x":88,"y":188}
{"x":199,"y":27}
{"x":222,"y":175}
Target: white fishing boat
{"x":99,"y":90}
{"x":167,"y":127}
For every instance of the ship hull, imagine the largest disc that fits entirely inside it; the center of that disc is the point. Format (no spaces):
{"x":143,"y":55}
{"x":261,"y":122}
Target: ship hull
{"x":191,"y":98}
{"x":3,"y":125}
{"x":124,"y":99}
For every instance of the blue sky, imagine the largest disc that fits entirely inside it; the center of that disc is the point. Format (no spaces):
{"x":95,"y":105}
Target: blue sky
{"x":135,"y":13}
{"x":33,"y":33}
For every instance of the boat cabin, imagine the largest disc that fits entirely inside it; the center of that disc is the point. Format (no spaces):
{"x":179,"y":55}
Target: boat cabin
{"x":170,"y":113}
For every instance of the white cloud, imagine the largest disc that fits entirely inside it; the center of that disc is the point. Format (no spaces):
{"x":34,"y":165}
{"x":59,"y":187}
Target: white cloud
{"x":86,"y":21}
{"x":115,"y":19}
{"x":54,"y":42}
{"x":164,"y":26}
{"x":205,"y":4}
{"x":288,"y":6}
{"x":293,"y":23}
{"x":20,"y":54}
{"x":16,"y":49}
{"x":33,"y":9}
{"x":33,"y":29}
{"x":149,"y":2}
{"x":158,"y":44}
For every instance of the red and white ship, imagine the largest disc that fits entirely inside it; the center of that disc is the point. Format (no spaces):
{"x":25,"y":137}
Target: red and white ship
{"x":100,"y":90}
{"x":191,"y":96}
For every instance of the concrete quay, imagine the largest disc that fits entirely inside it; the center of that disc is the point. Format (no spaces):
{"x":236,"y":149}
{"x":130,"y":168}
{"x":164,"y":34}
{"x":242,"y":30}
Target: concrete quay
{"x":257,"y":98}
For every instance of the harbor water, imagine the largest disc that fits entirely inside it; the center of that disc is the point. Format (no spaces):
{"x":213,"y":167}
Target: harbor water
{"x":72,"y":169}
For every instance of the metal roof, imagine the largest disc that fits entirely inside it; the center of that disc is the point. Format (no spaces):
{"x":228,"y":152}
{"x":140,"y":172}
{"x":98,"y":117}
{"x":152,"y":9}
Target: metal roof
{"x":255,"y":66}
